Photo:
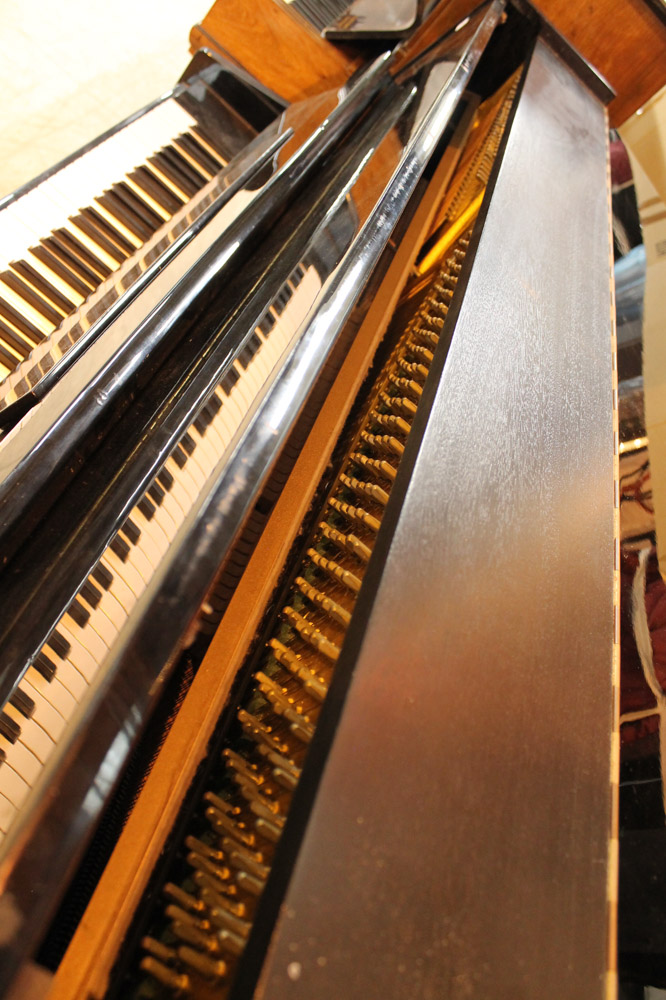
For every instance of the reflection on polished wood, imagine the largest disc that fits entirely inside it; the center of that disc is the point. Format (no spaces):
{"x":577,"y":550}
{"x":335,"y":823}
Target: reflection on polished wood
{"x":279,"y":48}
{"x":624,"y":40}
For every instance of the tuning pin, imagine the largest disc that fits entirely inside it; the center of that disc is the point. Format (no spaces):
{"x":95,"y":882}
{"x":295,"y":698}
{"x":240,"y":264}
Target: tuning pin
{"x":176,"y":981}
{"x":209,"y":968}
{"x":310,"y":634}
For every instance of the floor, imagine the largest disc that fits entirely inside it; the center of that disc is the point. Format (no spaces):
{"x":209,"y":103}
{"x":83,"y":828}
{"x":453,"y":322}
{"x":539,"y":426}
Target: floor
{"x":70,"y":71}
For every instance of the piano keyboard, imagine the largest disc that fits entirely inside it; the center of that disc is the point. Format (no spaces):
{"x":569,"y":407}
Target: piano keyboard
{"x":36,"y":716}
{"x":131,"y":184}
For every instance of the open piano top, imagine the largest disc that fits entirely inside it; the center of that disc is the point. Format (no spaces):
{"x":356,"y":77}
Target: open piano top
{"x":155,"y":437}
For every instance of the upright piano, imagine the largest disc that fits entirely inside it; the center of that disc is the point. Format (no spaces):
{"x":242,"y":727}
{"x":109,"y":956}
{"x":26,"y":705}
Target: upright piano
{"x":309,"y":536}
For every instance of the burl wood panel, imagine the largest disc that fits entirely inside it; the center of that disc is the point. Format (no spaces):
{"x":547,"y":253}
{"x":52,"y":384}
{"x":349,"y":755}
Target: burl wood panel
{"x":275,"y":46}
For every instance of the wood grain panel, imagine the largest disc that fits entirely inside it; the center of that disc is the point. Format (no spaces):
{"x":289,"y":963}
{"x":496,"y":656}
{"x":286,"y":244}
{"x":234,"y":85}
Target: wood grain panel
{"x":623,"y":39}
{"x":276,"y":47}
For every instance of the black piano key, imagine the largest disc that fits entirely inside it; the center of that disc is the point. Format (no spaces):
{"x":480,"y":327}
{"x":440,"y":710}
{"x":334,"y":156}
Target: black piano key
{"x":82,"y":253}
{"x":147,"y":507}
{"x":280,"y":301}
{"x":179,"y":457}
{"x":187,"y":443}
{"x":214,"y":405}
{"x":23,"y":703}
{"x":32,"y":297}
{"x":158,"y":191}
{"x":201,"y":422}
{"x":14,"y":340}
{"x":229,"y":381}
{"x":90,"y":594}
{"x":120,"y":547}
{"x":249,"y":350}
{"x":156,"y":494}
{"x":131,"y":531}
{"x":165,"y":166}
{"x":199,"y":133}
{"x":61,"y":251}
{"x":149,"y":216}
{"x":49,"y":291}
{"x":165,"y":479}
{"x":110,"y":231}
{"x":45,"y":666}
{"x":58,"y":644}
{"x":3,"y":756}
{"x":198,"y":153}
{"x":191,"y":156}
{"x":58,"y":267}
{"x":267,"y":324}
{"x":182,"y":164}
{"x":103,"y":576}
{"x":20,"y":322}
{"x":98,"y":237}
{"x":117,"y":208}
{"x":78,"y":612}
{"x":7,"y":359}
{"x":8,"y":728}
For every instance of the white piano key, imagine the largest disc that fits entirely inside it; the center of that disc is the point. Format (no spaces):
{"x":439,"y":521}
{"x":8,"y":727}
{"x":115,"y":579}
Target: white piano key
{"x":13,"y":786}
{"x":25,"y":309}
{"x":125,"y":574}
{"x":107,"y":618}
{"x":54,"y":692}
{"x":183,"y":490}
{"x":45,"y":715}
{"x":90,"y":244}
{"x":242,"y":390}
{"x":117,"y":224}
{"x":150,"y":544}
{"x":86,"y":635}
{"x":141,"y":560}
{"x":37,"y":740}
{"x":69,"y":676}
{"x":168,"y":515}
{"x":8,"y":812}
{"x":152,"y":529}
{"x":22,"y":760}
{"x":206,"y":445}
{"x":198,"y":461}
{"x":148,"y":200}
{"x":168,"y":183}
{"x":79,"y":656}
{"x":127,"y":571}
{"x":54,"y":279}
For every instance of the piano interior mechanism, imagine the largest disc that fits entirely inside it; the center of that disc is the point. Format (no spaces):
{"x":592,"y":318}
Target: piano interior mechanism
{"x":307,"y":536}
